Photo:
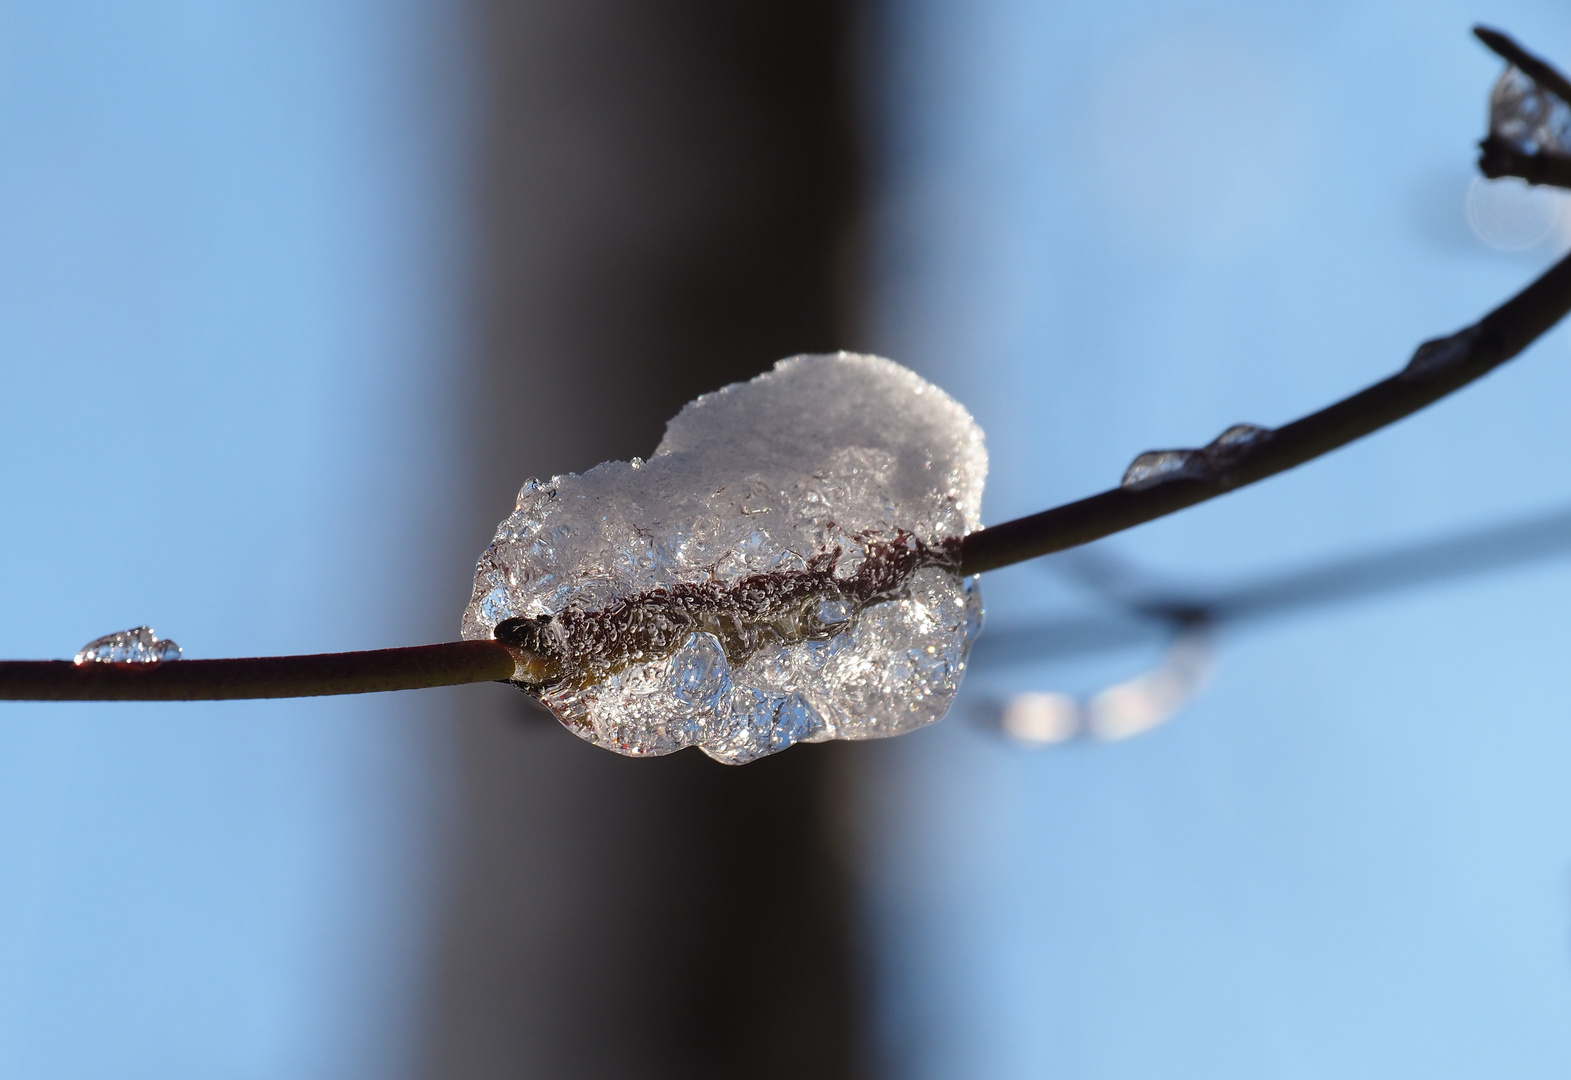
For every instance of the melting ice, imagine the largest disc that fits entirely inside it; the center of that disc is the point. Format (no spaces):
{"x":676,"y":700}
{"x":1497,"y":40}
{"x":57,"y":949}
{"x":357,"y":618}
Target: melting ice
{"x":139,"y":645}
{"x":782,"y":570}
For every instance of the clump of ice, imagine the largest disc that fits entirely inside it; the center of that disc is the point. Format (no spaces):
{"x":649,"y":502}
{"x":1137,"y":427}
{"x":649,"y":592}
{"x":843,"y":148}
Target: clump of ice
{"x":138,"y":645}
{"x":782,"y":570}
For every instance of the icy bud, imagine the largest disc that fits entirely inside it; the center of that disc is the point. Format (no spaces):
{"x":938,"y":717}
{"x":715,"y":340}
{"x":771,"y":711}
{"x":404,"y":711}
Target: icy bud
{"x":1442,"y":355}
{"x":1209,"y":462}
{"x":1528,"y":117}
{"x":783,"y":569}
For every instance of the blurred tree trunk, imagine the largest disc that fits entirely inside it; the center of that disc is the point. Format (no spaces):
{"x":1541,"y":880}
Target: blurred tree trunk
{"x":667,"y":193}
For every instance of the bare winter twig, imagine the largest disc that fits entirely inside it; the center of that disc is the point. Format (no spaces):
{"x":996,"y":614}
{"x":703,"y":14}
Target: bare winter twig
{"x":1181,"y":479}
{"x":1438,"y":368}
{"x":259,"y":677}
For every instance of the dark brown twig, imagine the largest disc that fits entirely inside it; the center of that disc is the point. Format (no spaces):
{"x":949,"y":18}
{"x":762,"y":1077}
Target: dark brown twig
{"x":259,"y":677}
{"x":1438,"y":368}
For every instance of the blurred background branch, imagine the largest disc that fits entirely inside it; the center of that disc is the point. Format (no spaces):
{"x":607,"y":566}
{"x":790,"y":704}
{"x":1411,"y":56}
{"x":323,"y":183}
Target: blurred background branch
{"x":1438,"y":368}
{"x":1145,"y":611}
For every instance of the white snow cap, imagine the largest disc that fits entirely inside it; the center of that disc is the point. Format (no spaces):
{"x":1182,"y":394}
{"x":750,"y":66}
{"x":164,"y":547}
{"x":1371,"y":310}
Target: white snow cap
{"x":799,"y":418}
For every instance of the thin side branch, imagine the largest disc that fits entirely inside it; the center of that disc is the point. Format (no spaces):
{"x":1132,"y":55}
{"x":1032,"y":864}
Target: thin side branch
{"x":1438,"y":368}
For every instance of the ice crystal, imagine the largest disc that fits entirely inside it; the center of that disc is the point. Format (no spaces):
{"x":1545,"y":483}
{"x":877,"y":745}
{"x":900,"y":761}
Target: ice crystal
{"x":1155,"y":466}
{"x":1528,"y":117}
{"x":783,"y":569}
{"x":1209,"y":462}
{"x":139,"y":645}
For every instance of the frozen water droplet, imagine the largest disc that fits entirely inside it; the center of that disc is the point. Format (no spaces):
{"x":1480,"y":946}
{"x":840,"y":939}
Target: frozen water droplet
{"x":1441,"y":355}
{"x":781,"y":569}
{"x":1240,"y":435}
{"x":1155,"y":466}
{"x":1528,"y":117}
{"x":1210,"y":462}
{"x":139,"y":645}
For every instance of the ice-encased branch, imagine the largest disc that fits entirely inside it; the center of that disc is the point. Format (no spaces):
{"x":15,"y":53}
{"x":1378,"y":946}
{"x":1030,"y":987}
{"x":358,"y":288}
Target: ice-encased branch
{"x":1438,"y":368}
{"x":1499,"y":157}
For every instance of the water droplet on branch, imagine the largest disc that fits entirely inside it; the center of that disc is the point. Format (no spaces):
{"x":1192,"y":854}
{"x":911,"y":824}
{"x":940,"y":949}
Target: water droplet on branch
{"x":139,"y":645}
{"x":1441,"y":355}
{"x":1209,"y":462}
{"x":1154,"y":466}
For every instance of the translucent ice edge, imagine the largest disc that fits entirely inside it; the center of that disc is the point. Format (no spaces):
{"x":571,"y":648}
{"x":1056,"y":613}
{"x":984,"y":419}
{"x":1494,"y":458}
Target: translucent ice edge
{"x":138,"y":645}
{"x":783,"y":569}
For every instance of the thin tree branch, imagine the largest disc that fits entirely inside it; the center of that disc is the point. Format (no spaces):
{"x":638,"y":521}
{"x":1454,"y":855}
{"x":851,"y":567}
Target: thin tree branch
{"x":1438,"y":368}
{"x":1498,"y":157}
{"x":259,"y":677}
